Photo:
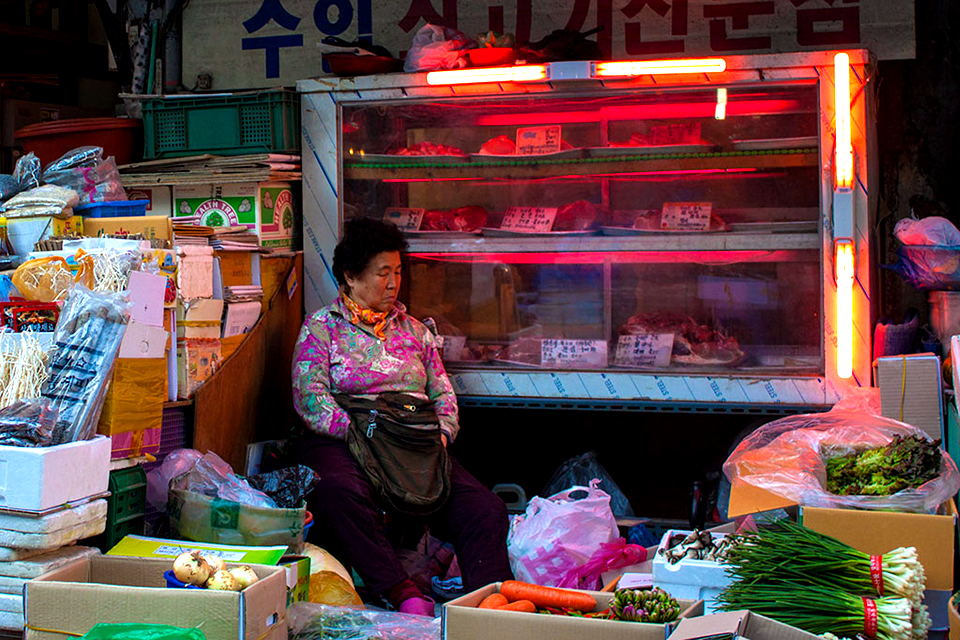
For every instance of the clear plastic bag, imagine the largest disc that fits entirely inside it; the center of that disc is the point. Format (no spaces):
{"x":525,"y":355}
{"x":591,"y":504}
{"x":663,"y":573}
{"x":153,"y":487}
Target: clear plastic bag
{"x":88,"y":156}
{"x":579,"y":471}
{"x":435,"y":47}
{"x":213,"y":477}
{"x":933,"y":230}
{"x":28,"y":423}
{"x":87,"y":339}
{"x":98,"y":183}
{"x":558,"y":534}
{"x":132,"y":631}
{"x":786,"y":457}
{"x":48,"y":200}
{"x":928,"y":268}
{"x":309,"y":621}
{"x":27,"y":172}
{"x":176,"y":463}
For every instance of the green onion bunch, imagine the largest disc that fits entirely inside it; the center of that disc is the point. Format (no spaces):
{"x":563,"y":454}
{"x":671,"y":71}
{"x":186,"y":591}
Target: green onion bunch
{"x":793,"y":552}
{"x":819,"y":609}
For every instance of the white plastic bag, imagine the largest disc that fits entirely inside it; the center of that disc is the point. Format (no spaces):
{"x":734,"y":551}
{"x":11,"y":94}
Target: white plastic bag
{"x":435,"y":48}
{"x":560,"y":533}
{"x":931,"y":231}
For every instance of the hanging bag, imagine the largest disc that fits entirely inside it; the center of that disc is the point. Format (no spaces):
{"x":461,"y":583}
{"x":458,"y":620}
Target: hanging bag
{"x":396,"y":441}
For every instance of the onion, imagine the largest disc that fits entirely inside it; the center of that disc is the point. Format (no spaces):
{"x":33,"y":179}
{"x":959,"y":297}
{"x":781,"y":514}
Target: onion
{"x":191,"y":568}
{"x":223,"y":580}
{"x":216,"y":563}
{"x":244,"y":575}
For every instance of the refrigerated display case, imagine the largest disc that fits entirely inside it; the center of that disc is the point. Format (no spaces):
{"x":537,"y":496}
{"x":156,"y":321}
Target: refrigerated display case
{"x":696,"y":240}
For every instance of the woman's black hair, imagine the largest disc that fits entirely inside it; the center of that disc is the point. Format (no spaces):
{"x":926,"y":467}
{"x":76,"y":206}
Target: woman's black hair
{"x":363,"y":238}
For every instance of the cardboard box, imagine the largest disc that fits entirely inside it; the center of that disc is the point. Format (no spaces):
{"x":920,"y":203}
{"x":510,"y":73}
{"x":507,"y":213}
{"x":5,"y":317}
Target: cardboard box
{"x":199,"y":318}
{"x":266,"y":207}
{"x":159,"y":198}
{"x":743,"y":624}
{"x":111,"y":589}
{"x":463,"y":621}
{"x":147,"y":547}
{"x":916,"y":398}
{"x":298,"y":577}
{"x":239,"y":268}
{"x":690,"y":579}
{"x":149,"y":226}
{"x":38,"y":478}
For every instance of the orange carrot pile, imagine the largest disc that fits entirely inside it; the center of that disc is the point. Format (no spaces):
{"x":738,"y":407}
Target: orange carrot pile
{"x":526,"y":597}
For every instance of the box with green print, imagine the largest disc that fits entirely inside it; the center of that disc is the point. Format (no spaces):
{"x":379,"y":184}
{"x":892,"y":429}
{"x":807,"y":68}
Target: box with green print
{"x":269,"y":208}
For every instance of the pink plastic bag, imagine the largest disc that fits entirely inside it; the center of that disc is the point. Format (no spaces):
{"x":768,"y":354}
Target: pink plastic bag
{"x":610,"y":556}
{"x":786,"y":457}
{"x":559,"y":534}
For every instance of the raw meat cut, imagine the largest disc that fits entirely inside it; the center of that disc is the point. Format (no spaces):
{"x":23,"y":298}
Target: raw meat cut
{"x":498,"y":146}
{"x":429,"y":149}
{"x":693,"y":343}
{"x":469,"y":218}
{"x":580,"y":216}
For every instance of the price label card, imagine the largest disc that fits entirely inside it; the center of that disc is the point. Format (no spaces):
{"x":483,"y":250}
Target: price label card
{"x":405,"y":219}
{"x":451,"y":347}
{"x":645,"y":350}
{"x":535,"y":141}
{"x":686,"y":216}
{"x":529,"y":219}
{"x":668,"y":134}
{"x":573,"y":353}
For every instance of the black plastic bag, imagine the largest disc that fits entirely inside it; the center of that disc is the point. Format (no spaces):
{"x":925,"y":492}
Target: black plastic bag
{"x":579,"y":471}
{"x":89,"y":156}
{"x":288,"y":487}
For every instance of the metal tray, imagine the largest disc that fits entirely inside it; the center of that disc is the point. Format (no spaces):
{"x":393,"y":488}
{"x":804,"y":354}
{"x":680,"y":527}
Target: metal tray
{"x":442,"y":235}
{"x":504,"y":233}
{"x":392,"y":158}
{"x":630,"y":231}
{"x":596,"y":152}
{"x":774,"y":143}
{"x":559,"y":155}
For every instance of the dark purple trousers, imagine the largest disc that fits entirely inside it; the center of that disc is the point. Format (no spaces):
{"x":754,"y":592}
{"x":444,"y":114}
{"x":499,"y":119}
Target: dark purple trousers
{"x":348,"y":521}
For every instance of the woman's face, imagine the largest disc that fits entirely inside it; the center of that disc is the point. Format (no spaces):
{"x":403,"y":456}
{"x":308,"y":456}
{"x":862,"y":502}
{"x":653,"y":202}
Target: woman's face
{"x":378,"y":285}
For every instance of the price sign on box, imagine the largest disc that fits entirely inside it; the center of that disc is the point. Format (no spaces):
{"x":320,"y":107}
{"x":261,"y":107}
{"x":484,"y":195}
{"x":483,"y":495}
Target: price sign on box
{"x":535,"y":141}
{"x":645,"y":350}
{"x":573,"y":353}
{"x":669,"y":134}
{"x":529,"y":219}
{"x":405,"y":219}
{"x":686,"y":216}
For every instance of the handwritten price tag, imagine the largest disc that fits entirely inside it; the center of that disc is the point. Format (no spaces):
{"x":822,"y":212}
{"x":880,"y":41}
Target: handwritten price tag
{"x":573,"y":353}
{"x":668,"y":134}
{"x":645,"y":350}
{"x":405,"y":219}
{"x":535,"y":141}
{"x":529,"y":219}
{"x":686,"y":216}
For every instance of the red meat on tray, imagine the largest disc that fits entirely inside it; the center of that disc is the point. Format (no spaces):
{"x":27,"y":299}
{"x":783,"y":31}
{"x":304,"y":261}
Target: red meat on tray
{"x":693,"y":343}
{"x":427,"y":148}
{"x":580,"y":216}
{"x":469,"y":218}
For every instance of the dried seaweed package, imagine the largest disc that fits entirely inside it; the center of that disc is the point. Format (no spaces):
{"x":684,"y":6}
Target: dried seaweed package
{"x":87,"y":339}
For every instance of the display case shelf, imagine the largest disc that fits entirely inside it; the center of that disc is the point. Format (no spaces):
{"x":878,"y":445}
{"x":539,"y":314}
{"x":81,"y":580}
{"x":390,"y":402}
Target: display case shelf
{"x":610,"y":246}
{"x":599,"y":166}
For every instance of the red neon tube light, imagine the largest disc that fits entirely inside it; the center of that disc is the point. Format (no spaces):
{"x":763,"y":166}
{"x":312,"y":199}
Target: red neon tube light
{"x":844,"y":153}
{"x":628,"y":68}
{"x":522,"y":73}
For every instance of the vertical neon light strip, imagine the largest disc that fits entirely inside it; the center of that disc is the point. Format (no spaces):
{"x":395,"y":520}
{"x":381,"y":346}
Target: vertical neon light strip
{"x":720,"y":112}
{"x":845,"y":271}
{"x":844,"y":159}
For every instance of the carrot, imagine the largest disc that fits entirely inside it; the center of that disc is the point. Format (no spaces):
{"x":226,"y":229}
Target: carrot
{"x":493,"y":601}
{"x":547,"y":596}
{"x":520,"y":605}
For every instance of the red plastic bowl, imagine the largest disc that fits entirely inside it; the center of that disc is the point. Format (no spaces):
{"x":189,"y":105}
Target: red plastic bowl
{"x":491,"y":56}
{"x":351,"y":64}
{"x":119,"y":137}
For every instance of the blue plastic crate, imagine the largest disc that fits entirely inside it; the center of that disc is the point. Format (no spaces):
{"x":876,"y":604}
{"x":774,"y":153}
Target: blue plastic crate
{"x":115,"y":209}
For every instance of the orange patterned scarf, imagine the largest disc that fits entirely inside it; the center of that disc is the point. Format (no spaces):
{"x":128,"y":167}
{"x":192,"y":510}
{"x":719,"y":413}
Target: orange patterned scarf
{"x":375,"y":319}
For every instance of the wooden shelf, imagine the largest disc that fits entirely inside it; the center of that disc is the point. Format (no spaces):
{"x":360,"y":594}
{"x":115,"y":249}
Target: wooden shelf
{"x":602,"y":166}
{"x":607,"y":247}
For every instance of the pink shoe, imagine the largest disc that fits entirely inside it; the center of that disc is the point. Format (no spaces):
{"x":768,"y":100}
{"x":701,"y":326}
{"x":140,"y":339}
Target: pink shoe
{"x":423,"y":606}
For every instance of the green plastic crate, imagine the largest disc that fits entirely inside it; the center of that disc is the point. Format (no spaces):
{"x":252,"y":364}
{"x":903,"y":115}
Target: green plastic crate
{"x":262,"y":122}
{"x":126,"y":507}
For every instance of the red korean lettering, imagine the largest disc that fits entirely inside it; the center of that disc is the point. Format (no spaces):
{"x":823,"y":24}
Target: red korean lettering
{"x":424,"y":10}
{"x":578,"y":18}
{"x":633,"y":35}
{"x":740,"y":14}
{"x":524,"y":13}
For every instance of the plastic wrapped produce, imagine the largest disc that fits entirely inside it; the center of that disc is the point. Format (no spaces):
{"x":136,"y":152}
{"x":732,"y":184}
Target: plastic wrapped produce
{"x":88,"y":156}
{"x":87,"y":339}
{"x":28,"y":423}
{"x":288,"y":487}
{"x":310,"y":621}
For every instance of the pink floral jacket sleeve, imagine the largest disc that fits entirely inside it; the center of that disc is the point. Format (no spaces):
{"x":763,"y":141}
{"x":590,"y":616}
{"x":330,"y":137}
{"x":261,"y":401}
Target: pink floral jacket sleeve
{"x":333,"y":355}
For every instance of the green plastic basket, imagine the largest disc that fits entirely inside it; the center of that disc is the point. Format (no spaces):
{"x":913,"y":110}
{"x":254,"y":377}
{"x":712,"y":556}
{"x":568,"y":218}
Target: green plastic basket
{"x":262,"y":122}
{"x":126,"y":506}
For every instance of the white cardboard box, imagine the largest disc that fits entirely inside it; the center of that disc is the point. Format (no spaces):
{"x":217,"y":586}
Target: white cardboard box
{"x":688,"y":578}
{"x":38,"y":478}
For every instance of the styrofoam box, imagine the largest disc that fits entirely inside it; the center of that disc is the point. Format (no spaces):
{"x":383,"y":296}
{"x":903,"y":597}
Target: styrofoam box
{"x":690,"y":579}
{"x":37,"y":478}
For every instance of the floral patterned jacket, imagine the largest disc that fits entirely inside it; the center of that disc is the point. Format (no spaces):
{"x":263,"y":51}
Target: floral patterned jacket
{"x":333,"y":355}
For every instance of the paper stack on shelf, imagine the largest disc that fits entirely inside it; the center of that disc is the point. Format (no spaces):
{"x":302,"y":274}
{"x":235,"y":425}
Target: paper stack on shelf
{"x":238,"y":238}
{"x":188,"y":233}
{"x":252,"y":293}
{"x":201,"y":169}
